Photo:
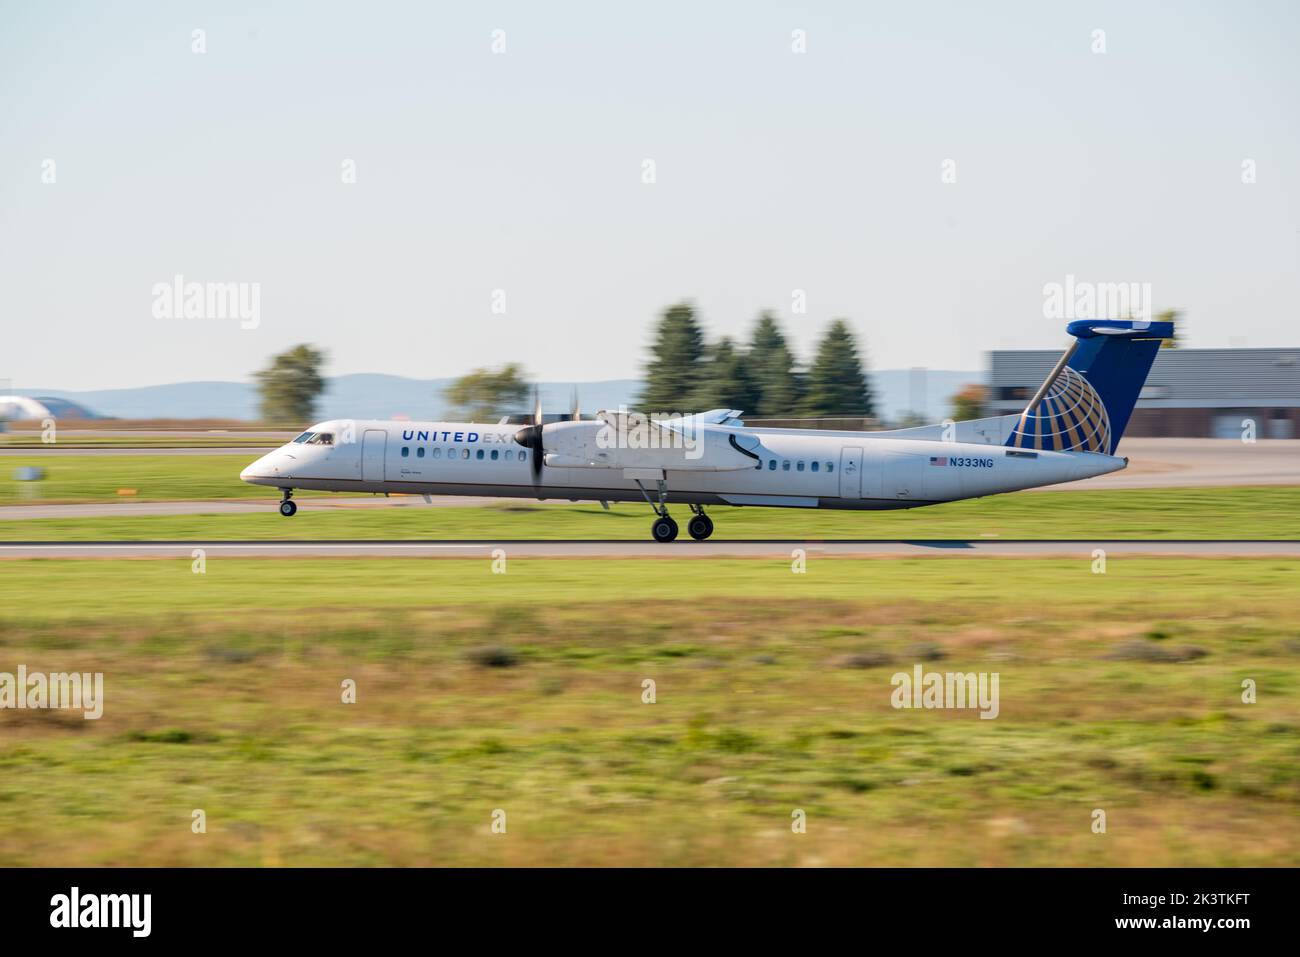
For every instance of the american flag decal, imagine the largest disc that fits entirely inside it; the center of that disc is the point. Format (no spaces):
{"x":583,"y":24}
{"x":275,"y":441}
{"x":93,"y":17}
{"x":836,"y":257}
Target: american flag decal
{"x":938,"y":460}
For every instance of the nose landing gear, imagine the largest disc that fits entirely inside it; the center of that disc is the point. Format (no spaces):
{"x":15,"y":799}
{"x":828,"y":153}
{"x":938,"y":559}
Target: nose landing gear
{"x":288,"y":508}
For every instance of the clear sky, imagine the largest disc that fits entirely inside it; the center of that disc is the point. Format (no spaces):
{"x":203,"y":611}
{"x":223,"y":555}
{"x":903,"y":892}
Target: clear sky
{"x":522,"y":171}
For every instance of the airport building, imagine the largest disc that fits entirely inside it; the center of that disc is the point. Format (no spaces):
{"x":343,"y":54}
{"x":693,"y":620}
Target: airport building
{"x":1192,"y":393}
{"x":36,"y":408}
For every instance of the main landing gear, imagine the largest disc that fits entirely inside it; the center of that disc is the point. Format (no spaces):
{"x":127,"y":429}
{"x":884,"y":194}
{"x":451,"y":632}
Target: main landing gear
{"x":701,"y":526}
{"x":288,"y":507}
{"x":664,"y":528}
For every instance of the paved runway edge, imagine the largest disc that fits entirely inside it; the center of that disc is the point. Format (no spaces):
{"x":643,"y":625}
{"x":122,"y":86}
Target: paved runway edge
{"x":770,"y":548}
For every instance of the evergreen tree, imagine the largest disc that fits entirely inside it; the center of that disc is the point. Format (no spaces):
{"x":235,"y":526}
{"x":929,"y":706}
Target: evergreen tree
{"x":727,"y":380}
{"x":674,"y":373}
{"x":837,"y":383}
{"x":772,"y":368}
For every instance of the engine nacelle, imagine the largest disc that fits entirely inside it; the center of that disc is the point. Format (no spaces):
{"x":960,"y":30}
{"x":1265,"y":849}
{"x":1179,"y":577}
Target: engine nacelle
{"x":629,"y":441}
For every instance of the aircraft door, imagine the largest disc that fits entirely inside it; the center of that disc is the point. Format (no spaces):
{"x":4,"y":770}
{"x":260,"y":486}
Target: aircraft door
{"x":374,"y":445}
{"x":851,"y":473}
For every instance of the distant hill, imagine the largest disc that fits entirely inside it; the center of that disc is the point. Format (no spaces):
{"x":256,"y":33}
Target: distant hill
{"x":379,"y":396}
{"x":181,"y":400}
{"x":361,"y":396}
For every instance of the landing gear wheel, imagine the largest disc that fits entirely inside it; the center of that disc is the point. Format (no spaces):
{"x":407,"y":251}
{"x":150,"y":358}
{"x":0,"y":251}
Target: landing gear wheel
{"x":288,"y":508}
{"x":700,"y":527}
{"x":664,"y":529}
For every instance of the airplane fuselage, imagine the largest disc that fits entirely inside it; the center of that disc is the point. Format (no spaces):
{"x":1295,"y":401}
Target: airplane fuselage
{"x":800,"y":468}
{"x":1070,"y":430}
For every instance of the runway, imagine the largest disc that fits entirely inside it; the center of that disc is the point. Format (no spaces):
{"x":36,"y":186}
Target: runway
{"x":1153,"y":462}
{"x":254,"y":506}
{"x":783,"y":549}
{"x":68,"y":448}
{"x":1179,"y":463}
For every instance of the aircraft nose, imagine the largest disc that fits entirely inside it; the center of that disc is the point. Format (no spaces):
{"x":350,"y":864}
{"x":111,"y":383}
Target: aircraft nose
{"x":256,"y":470}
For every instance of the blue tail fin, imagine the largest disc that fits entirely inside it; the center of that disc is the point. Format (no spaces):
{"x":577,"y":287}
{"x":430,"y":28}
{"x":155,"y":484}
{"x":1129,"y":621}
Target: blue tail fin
{"x":1086,"y":402}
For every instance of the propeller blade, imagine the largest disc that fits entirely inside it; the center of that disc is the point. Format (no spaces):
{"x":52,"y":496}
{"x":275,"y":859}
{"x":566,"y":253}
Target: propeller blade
{"x":530,"y":437}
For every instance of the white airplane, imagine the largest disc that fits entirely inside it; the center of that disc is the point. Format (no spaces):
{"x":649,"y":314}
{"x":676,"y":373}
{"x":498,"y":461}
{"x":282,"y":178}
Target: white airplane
{"x":1069,"y":430}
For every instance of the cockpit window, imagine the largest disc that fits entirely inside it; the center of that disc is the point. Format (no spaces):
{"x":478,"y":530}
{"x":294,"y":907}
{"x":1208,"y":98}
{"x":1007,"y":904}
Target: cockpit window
{"x":303,"y":438}
{"x":321,"y":438}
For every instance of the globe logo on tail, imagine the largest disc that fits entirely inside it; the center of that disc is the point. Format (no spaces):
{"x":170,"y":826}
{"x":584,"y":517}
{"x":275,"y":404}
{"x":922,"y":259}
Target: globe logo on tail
{"x":1069,"y":418}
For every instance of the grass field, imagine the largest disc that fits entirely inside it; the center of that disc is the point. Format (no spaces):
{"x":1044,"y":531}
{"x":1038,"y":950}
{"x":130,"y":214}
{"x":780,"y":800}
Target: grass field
{"x":523,"y":692}
{"x":145,"y":433}
{"x":1147,"y":513}
{"x":150,"y":478}
{"x":1237,"y":512}
{"x":146,"y":440}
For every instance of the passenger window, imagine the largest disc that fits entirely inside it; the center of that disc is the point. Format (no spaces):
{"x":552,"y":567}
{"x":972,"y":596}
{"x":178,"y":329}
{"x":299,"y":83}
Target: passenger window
{"x":815,"y":466}
{"x":495,"y":453}
{"x":799,"y":468}
{"x":785,"y":466}
{"x":522,"y":455}
{"x":464,"y":453}
{"x":451,"y":453}
{"x":437,"y":453}
{"x":479,"y":454}
{"x":830,"y":466}
{"x":419,"y":452}
{"x":405,"y":451}
{"x":771,"y":465}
